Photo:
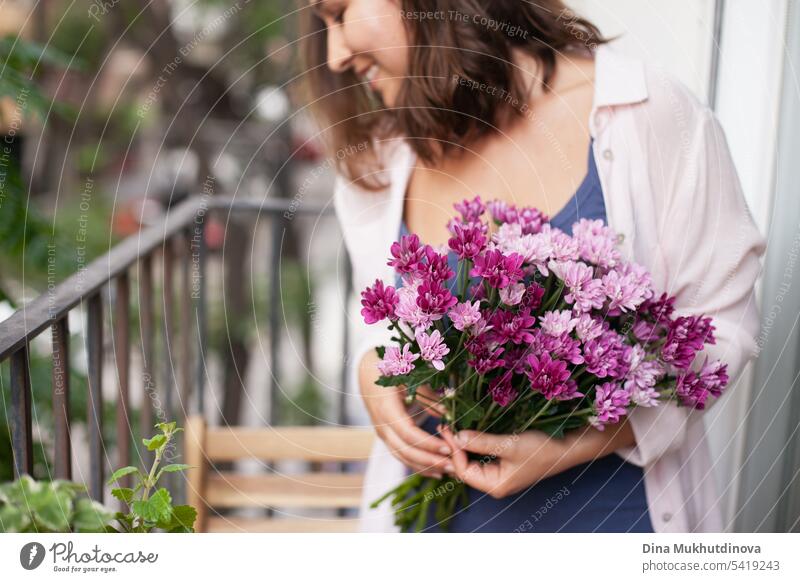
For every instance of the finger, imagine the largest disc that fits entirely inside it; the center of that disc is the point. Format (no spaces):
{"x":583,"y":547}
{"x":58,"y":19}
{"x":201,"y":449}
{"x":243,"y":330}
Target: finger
{"x":417,"y":456}
{"x":474,"y":474}
{"x":416,"y":437}
{"x":483,"y":443}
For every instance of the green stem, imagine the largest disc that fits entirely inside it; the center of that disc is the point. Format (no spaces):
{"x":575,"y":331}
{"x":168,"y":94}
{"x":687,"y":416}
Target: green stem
{"x":542,"y":410}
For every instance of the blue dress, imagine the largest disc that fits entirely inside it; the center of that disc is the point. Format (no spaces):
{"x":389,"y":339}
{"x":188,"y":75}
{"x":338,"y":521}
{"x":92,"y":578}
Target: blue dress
{"x":603,"y":495}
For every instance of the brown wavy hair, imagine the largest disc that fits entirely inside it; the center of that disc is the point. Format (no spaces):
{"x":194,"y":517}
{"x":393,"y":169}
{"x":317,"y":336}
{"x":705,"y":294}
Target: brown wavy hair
{"x":430,"y":104}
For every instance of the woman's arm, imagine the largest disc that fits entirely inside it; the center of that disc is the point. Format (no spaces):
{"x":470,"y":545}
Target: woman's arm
{"x":519,"y":461}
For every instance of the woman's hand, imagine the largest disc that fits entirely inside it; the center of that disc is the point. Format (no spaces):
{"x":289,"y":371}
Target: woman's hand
{"x":515,"y":462}
{"x":422,"y":452}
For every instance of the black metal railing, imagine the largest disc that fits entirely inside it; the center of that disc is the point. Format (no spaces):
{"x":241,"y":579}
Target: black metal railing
{"x":180,"y":241}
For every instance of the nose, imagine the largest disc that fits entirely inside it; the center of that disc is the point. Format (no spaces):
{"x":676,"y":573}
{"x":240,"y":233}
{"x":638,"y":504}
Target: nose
{"x":339,"y":54}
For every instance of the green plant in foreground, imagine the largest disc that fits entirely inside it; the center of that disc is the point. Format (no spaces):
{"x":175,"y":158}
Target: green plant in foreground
{"x":150,"y":510}
{"x":30,"y":506}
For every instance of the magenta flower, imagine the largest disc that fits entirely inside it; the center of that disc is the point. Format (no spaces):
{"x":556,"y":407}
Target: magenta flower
{"x":610,"y":403}
{"x":694,"y":388}
{"x":470,"y":210}
{"x":465,"y":314}
{"x":485,"y":355}
{"x":408,"y":254}
{"x":501,"y":389}
{"x":432,"y":347}
{"x":607,"y":356}
{"x":551,"y":377}
{"x":685,"y":338}
{"x":532,"y":299}
{"x":396,"y":362}
{"x":379,"y":302}
{"x":468,"y":240}
{"x":499,"y":270}
{"x":434,"y":299}
{"x":511,"y":326}
{"x":436,"y":268}
{"x":530,"y":219}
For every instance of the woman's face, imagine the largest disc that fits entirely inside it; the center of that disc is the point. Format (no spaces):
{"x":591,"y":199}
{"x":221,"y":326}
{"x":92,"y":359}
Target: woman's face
{"x":369,"y":37}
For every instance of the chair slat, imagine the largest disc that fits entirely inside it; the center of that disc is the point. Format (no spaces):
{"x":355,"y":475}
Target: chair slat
{"x":281,"y":525}
{"x":303,"y":443}
{"x":303,"y":490}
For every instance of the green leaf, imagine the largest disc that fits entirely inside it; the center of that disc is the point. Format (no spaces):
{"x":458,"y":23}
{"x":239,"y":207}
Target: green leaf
{"x":172,"y":469}
{"x":90,"y":516}
{"x":180,"y":520}
{"x":12,"y":520}
{"x":158,"y":507}
{"x":381,"y":350}
{"x":393,"y":380}
{"x":124,"y":494}
{"x":471,"y":415}
{"x":52,"y":509}
{"x":166,"y":427}
{"x":119,"y":473}
{"x":157,"y":441}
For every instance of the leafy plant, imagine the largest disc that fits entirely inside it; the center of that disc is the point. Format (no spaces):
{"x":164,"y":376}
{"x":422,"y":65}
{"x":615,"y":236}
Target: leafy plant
{"x":149,"y":511}
{"x":29,"y":506}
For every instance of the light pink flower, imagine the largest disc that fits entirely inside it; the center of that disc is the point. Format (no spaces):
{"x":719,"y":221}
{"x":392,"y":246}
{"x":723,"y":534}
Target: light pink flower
{"x":432,"y":347}
{"x":396,"y":362}
{"x":463,"y":315}
{"x":556,"y":323}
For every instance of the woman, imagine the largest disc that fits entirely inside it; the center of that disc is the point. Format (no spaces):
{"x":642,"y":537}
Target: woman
{"x":525,"y":102}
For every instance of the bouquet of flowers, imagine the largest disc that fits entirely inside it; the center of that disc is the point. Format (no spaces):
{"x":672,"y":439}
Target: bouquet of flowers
{"x":537,"y":330}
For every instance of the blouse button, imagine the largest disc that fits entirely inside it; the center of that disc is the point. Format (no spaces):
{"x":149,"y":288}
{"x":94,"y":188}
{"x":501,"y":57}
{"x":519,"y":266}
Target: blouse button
{"x":608,"y":154}
{"x":667,"y":516}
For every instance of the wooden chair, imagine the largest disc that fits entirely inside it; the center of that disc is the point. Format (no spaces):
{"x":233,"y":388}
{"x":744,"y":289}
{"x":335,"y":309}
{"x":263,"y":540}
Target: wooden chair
{"x":208,"y":489}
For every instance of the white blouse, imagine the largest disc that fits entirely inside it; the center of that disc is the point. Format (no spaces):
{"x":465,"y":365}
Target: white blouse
{"x":670,"y":187}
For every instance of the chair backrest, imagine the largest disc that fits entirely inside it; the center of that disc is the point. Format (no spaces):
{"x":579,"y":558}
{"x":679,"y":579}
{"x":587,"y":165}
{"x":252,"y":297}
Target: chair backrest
{"x":209,"y":489}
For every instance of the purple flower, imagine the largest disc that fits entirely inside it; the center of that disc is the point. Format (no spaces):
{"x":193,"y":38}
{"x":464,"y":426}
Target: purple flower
{"x":530,"y":220}
{"x":610,"y":403}
{"x":501,"y":389}
{"x":627,"y":287}
{"x":588,"y":327}
{"x":434,"y":299}
{"x":432,"y":347}
{"x":685,"y":338}
{"x":379,"y":302}
{"x":465,"y":314}
{"x":585,"y":291}
{"x":396,"y":362}
{"x":470,"y":210}
{"x":551,"y":377}
{"x":408,"y":254}
{"x":485,"y":358}
{"x":499,"y":270}
{"x":694,"y":388}
{"x":642,"y":377}
{"x":607,"y":355}
{"x":468,"y":240}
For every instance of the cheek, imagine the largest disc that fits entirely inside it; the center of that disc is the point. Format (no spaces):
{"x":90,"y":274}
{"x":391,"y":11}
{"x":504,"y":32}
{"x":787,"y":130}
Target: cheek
{"x":376,"y":29}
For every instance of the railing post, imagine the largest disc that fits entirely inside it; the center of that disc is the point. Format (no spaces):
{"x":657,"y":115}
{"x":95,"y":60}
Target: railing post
{"x":274,"y":297}
{"x":199,"y":297}
{"x":61,"y":413}
{"x":148,"y":365}
{"x":122,"y":357}
{"x":94,"y":417}
{"x":21,"y":433}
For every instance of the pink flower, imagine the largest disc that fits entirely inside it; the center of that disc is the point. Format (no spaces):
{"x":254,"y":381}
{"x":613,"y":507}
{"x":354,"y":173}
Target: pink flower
{"x":610,"y":403}
{"x":499,"y":270}
{"x":408,"y":311}
{"x":585,"y":291}
{"x":556,"y":323}
{"x":597,"y":243}
{"x":627,"y":288}
{"x":512,"y":294}
{"x":432,"y":347}
{"x":396,"y":362}
{"x":465,"y":314}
